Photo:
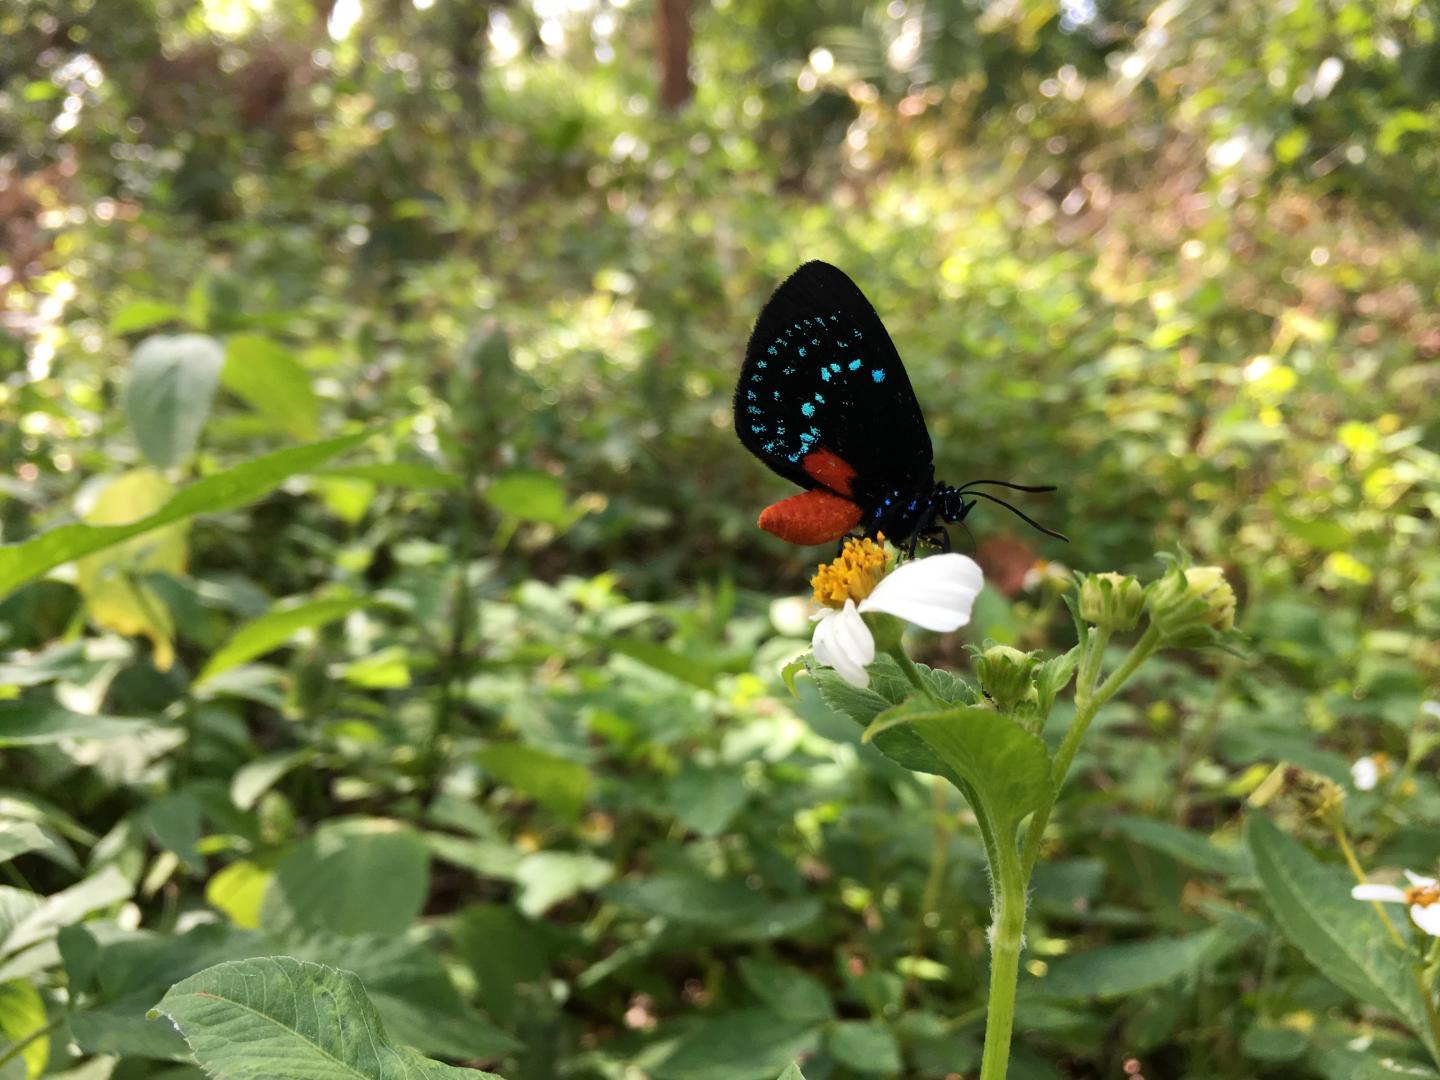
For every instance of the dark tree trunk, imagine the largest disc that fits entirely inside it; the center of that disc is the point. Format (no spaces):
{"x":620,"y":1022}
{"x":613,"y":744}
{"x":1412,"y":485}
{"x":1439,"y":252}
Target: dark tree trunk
{"x":672,"y":43}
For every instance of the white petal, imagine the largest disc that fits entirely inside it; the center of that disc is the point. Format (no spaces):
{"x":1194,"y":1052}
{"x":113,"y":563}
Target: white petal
{"x":1416,"y":879}
{"x":1431,"y":708}
{"x":936,"y":592}
{"x":843,"y":641}
{"x":1386,"y":894}
{"x":1365,"y":774}
{"x":1427,"y":917}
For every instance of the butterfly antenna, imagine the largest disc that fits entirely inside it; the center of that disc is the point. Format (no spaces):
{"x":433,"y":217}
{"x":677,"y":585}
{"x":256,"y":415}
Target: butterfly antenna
{"x":1041,"y":488}
{"x":1021,"y":515}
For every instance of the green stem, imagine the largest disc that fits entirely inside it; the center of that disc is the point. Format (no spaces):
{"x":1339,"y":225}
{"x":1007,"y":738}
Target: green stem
{"x":1086,"y":708}
{"x":1090,"y":668}
{"x":912,"y":673}
{"x":1006,"y":938}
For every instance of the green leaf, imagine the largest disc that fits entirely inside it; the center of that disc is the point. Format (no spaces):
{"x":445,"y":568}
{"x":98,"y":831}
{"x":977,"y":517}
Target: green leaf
{"x":556,"y":784}
{"x":101,"y":890}
{"x":271,"y":381}
{"x":399,"y":474}
{"x":790,"y":993}
{"x":1339,"y":935}
{"x":37,"y":721}
{"x":226,"y":490}
{"x":254,"y":778}
{"x":862,"y":705}
{"x":752,"y":1044}
{"x":865,"y":1046}
{"x":272,"y":630}
{"x":353,"y":876}
{"x":548,"y":877}
{"x":706,"y":799}
{"x":1120,"y":970}
{"x":533,"y":496}
{"x":1007,"y":766}
{"x":19,"y":837}
{"x":143,"y":315}
{"x":168,"y":394}
{"x":278,"y":1016}
{"x":22,"y":1014}
{"x":728,"y":907}
{"x":1183,"y":846}
{"x":792,"y":1073}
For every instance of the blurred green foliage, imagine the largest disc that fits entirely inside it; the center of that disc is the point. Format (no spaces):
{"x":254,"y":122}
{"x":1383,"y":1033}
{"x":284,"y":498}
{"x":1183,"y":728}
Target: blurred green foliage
{"x":480,"y":699}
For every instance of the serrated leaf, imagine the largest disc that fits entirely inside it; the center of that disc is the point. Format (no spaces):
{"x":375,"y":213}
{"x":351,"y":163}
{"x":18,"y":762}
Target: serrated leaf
{"x":1339,"y":935}
{"x":278,"y":1016}
{"x":226,"y":490}
{"x":168,"y":394}
{"x":1007,"y":766}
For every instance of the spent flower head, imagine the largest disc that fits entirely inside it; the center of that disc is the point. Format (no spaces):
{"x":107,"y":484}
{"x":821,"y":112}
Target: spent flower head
{"x":861,"y":588}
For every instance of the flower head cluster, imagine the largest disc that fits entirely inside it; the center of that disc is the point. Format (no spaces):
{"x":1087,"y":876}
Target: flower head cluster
{"x":935,"y":593}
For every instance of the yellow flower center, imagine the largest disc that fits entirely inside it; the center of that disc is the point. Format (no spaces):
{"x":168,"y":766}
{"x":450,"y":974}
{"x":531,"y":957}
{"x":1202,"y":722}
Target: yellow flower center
{"x":1424,"y":895}
{"x":852,"y":576}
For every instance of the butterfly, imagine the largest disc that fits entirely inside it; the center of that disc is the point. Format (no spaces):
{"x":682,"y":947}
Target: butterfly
{"x":824,"y":401}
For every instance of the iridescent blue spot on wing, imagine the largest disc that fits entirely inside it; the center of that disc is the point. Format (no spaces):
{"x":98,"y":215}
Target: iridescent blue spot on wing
{"x":758,"y":429}
{"x":808,"y":409}
{"x":750,"y":395}
{"x":825,"y":373}
{"x":878,"y":374}
{"x":801,"y":352}
{"x":789,"y":371}
{"x":773,"y":351}
{"x":835,"y":368}
{"x":760,"y":365}
{"x":775,"y":394}
{"x":754,"y":410}
{"x":856,"y":364}
{"x":819,"y":398}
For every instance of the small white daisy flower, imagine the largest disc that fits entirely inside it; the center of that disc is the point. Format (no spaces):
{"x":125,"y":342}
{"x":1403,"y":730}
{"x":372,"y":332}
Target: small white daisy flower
{"x":1365,"y":774}
{"x":936,"y":593}
{"x":1422,"y":895}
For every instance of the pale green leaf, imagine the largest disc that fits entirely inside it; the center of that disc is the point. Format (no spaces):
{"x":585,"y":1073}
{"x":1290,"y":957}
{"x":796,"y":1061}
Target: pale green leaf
{"x":1120,"y":970}
{"x":22,"y":1014}
{"x":278,"y":1016}
{"x":866,"y":1046}
{"x":352,"y":876}
{"x":226,"y":490}
{"x":275,"y":628}
{"x":533,"y":496}
{"x":556,"y":784}
{"x":271,"y":381}
{"x":168,"y":394}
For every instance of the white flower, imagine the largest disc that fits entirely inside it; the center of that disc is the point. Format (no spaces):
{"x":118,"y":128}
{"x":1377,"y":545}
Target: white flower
{"x":1365,"y":774}
{"x":1422,"y":894}
{"x":1431,"y":709}
{"x":936,"y":593}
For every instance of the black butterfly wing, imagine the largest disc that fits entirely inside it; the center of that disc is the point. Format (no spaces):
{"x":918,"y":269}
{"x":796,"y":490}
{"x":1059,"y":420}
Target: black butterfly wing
{"x":821,"y":373}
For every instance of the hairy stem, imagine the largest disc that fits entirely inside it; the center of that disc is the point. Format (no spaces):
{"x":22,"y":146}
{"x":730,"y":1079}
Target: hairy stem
{"x":1007,"y":936}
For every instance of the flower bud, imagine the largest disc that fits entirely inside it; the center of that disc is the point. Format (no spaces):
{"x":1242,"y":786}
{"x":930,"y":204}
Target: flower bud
{"x":1111,"y":601}
{"x":1189,"y":606}
{"x":1007,"y":675}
